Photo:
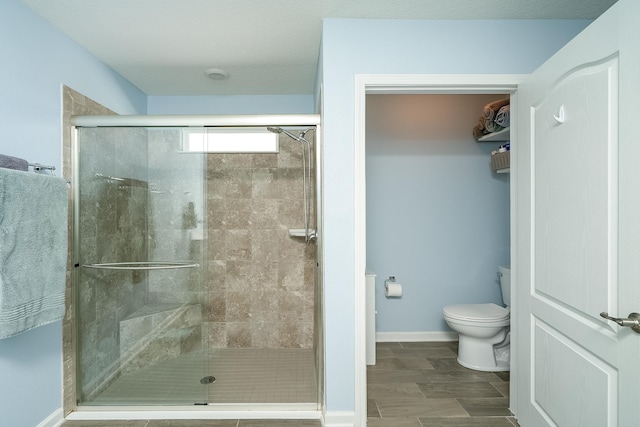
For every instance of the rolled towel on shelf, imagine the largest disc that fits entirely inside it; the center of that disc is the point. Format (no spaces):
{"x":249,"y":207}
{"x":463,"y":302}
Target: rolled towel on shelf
{"x":503,"y":116}
{"x":477,"y":132}
{"x":480,"y":125}
{"x":491,"y":110}
{"x":16,"y":163}
{"x":33,"y":250}
{"x":491,"y":126}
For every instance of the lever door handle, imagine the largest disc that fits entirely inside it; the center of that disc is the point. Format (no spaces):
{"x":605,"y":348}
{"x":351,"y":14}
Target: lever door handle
{"x":633,"y":321}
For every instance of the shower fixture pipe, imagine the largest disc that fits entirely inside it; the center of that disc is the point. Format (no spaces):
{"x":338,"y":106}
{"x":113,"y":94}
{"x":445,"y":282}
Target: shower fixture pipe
{"x":306,"y":173}
{"x":197,"y":120}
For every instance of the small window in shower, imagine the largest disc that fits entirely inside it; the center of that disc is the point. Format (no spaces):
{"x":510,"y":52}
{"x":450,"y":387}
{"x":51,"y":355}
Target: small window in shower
{"x":229,"y":140}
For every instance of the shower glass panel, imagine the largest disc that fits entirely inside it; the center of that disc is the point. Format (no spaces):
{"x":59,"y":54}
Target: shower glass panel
{"x":197,"y":272}
{"x":141,"y":257}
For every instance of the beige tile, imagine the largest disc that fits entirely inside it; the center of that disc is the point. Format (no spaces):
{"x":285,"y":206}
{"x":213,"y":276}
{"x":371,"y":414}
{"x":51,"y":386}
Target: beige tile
{"x":395,"y":376}
{"x":430,"y":345}
{"x":372,"y":409}
{"x":467,"y":375}
{"x":426,"y":352}
{"x":466,"y":422}
{"x":381,"y":391}
{"x":459,"y":389}
{"x":419,"y":407}
{"x":383,"y":353}
{"x":484,"y":407}
{"x":502,"y":387}
{"x":394,"y":422}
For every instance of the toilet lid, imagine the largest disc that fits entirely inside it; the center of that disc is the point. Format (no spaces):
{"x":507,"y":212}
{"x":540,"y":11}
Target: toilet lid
{"x":477,"y":312}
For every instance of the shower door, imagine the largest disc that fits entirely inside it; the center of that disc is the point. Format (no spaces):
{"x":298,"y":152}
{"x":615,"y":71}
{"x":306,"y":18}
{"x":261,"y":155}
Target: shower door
{"x":196,"y":267}
{"x":140,"y":264}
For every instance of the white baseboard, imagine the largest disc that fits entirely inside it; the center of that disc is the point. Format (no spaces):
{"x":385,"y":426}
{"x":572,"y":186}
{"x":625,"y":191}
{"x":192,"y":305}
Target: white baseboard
{"x":339,"y":419}
{"x":54,"y":420}
{"x":416,"y":336}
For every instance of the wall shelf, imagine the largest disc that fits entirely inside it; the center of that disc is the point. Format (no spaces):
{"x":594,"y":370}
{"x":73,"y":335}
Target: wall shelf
{"x":500,"y":136}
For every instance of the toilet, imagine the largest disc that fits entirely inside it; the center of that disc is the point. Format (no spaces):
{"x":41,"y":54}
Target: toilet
{"x":484,"y":330}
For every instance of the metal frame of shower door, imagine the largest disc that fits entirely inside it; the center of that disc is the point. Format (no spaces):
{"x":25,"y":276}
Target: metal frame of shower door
{"x":266,"y":411}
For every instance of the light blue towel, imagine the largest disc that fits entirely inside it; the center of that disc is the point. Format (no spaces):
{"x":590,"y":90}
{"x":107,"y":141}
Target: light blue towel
{"x":503,"y":117}
{"x":33,"y":250}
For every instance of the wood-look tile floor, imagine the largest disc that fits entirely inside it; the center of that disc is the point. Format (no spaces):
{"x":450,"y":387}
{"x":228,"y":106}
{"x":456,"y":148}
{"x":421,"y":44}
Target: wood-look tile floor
{"x":422,"y":385}
{"x":411,"y":385}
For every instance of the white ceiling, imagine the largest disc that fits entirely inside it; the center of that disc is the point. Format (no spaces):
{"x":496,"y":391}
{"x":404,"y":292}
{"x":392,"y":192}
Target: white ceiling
{"x":267,"y":46}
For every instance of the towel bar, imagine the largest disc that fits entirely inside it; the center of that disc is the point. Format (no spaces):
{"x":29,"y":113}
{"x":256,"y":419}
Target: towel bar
{"x":37,"y":167}
{"x":148,"y":265}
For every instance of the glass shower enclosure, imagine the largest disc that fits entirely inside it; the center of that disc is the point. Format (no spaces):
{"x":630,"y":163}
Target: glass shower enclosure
{"x":194,"y":282}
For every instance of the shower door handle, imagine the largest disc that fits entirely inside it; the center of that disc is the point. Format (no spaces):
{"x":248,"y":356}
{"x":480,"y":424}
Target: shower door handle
{"x":633,"y":321}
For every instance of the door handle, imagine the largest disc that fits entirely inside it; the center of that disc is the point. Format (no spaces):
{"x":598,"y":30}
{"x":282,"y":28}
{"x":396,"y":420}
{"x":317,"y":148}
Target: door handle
{"x":633,"y":321}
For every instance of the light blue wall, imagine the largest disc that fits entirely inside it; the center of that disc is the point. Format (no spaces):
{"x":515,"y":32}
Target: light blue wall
{"x":350,"y":47}
{"x":232,"y":104}
{"x":36,"y":61}
{"x":437,"y":215}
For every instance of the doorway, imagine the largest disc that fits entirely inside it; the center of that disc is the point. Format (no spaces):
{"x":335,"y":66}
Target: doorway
{"x":402,"y":84}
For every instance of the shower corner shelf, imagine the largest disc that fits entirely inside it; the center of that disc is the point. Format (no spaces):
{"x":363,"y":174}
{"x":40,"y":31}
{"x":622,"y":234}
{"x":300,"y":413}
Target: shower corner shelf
{"x":301,"y":232}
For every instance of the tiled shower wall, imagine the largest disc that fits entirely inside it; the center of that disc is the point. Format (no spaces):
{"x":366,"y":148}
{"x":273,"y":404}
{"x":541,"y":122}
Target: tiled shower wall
{"x":261,"y":280}
{"x":74,"y":104}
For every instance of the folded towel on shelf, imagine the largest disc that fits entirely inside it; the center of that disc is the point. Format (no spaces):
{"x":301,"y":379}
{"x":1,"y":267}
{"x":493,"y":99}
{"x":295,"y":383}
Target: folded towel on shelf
{"x":33,"y":250}
{"x":503,"y":116}
{"x":16,"y":163}
{"x":491,"y":110}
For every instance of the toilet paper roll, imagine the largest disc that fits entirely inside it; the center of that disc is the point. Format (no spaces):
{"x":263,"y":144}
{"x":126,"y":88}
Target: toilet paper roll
{"x":392,"y":290}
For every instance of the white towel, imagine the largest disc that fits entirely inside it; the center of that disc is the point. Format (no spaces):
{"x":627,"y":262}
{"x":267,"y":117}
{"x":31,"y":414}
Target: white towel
{"x":33,"y":250}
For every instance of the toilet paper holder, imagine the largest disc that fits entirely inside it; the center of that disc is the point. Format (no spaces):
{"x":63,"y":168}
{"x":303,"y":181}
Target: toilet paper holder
{"x":392,"y":288}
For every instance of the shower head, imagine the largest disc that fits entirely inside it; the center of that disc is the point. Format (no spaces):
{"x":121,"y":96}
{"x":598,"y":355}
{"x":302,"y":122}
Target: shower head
{"x":277,"y":129}
{"x":304,"y":132}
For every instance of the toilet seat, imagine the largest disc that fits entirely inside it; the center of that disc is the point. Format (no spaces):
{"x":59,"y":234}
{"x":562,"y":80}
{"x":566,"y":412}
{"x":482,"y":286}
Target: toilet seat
{"x":479,"y":313}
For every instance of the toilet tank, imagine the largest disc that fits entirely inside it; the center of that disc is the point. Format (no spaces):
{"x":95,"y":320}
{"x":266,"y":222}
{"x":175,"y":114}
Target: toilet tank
{"x":504,"y":271}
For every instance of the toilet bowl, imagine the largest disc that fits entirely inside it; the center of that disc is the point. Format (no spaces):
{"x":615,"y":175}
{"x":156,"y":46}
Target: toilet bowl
{"x":484,"y":333}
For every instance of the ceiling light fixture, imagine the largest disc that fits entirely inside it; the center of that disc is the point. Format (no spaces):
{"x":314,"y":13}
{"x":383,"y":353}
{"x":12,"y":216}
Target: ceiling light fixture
{"x":216,"y":73}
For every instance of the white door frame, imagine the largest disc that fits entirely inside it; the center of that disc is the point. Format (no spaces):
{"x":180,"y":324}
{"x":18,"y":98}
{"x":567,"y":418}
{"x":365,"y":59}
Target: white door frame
{"x":410,"y":84}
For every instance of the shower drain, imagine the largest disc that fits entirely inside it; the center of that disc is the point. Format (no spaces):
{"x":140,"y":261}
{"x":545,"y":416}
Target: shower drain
{"x":207,"y":380}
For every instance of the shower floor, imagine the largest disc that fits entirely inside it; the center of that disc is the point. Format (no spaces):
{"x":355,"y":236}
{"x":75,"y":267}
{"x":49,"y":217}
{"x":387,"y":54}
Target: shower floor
{"x":241,"y":376}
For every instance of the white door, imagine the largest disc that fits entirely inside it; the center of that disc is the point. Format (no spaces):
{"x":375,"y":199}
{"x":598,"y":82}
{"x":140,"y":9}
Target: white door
{"x":577,"y":241}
